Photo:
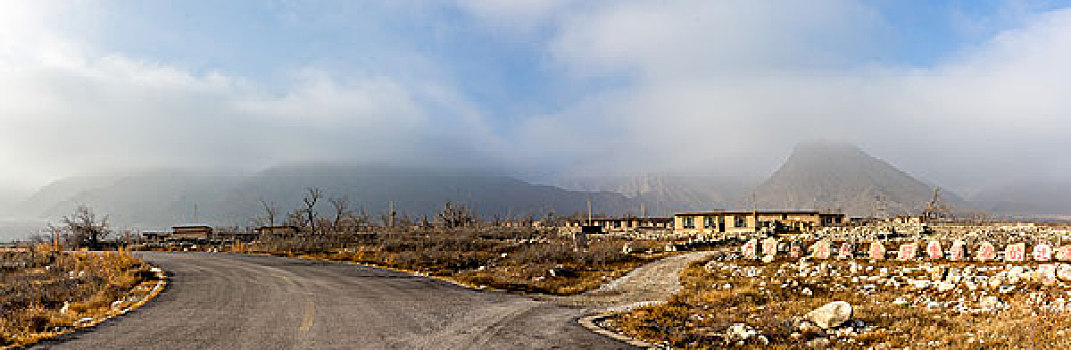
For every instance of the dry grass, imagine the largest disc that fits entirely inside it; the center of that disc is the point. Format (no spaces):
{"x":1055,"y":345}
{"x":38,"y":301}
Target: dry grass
{"x":518,"y":259}
{"x":35,"y":286}
{"x":699,"y":316}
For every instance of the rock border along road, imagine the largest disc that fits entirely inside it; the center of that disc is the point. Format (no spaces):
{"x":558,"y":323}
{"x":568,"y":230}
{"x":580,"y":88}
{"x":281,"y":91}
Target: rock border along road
{"x":233,"y":301}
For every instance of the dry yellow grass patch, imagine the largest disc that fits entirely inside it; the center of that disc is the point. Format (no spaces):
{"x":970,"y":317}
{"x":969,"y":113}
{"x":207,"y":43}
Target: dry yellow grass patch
{"x":47,"y":293}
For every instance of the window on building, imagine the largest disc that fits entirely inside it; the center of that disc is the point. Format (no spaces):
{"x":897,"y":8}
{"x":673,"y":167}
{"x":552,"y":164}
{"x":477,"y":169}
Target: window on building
{"x":740,"y":221}
{"x":688,"y":222}
{"x":710,"y":222}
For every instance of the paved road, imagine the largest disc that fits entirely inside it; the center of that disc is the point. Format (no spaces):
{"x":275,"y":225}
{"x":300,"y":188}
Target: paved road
{"x":225,"y":301}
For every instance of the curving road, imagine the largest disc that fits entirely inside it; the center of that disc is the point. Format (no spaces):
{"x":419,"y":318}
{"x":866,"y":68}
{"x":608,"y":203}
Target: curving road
{"x":230,"y":301}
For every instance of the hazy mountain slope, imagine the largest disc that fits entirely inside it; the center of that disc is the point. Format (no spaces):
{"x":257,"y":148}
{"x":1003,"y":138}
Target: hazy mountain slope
{"x":666,"y":194}
{"x":59,"y":191}
{"x":8,"y":198}
{"x":841,"y":176}
{"x":1029,"y":198}
{"x":162,"y":199}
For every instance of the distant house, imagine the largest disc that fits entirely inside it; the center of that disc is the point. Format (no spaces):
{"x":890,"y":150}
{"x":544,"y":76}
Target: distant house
{"x":623,"y":224}
{"x":191,"y":232}
{"x":724,"y":221}
{"x":155,"y":236}
{"x":233,"y":235}
{"x":277,"y":230}
{"x":910,"y":219}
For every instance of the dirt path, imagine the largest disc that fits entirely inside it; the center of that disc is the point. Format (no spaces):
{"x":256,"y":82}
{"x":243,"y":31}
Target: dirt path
{"x":654,"y":282}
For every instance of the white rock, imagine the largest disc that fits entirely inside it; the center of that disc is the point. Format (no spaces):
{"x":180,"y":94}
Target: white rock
{"x":740,"y":332}
{"x":990,"y":303}
{"x":830,"y":315}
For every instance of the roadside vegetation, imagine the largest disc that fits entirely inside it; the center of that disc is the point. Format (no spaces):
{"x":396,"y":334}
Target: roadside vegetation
{"x":456,"y":244}
{"x":771,"y":300}
{"x":519,"y":259}
{"x":45,"y":292}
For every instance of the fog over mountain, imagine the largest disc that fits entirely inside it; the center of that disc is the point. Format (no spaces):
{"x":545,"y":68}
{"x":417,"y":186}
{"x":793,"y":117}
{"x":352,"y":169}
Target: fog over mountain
{"x":663,"y":195}
{"x":837,"y":176}
{"x":679,"y":104}
{"x":160,"y":199}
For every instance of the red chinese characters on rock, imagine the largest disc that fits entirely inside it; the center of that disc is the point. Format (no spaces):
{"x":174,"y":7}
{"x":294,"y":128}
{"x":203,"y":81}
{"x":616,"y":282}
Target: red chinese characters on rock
{"x":750,"y":249}
{"x":1063,"y":253}
{"x":907,"y":252}
{"x":821,"y":250}
{"x":1042,"y":252}
{"x":1015,"y":252}
{"x":847,"y":251}
{"x":795,"y":250}
{"x":958,"y":251}
{"x":877,"y":251}
{"x":769,"y":247}
{"x":986,"y":252}
{"x":934,"y":251}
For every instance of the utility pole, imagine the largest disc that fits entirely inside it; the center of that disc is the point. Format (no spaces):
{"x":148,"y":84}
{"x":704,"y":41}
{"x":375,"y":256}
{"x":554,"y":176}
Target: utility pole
{"x":589,"y":210}
{"x":195,"y":213}
{"x":390,"y":223}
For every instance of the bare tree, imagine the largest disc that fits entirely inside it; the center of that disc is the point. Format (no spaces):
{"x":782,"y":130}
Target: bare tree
{"x":312,"y":195}
{"x":456,"y":215}
{"x":271,"y":211}
{"x":342,"y":211}
{"x":84,"y":229}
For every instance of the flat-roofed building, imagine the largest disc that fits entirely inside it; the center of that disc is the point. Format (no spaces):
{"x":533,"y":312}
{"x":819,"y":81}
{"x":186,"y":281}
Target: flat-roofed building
{"x":743,"y":221}
{"x":156,"y":236}
{"x":285,"y":231}
{"x":624,"y":224}
{"x":191,"y":232}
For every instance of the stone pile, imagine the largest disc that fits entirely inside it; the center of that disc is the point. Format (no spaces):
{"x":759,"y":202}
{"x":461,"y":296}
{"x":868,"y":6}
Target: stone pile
{"x":959,"y":287}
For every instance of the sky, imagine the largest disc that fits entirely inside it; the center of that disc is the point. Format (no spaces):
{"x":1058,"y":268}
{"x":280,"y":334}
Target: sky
{"x":960,"y":93}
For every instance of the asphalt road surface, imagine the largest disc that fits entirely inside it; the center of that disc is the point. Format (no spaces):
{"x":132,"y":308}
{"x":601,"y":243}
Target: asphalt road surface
{"x":230,"y":301}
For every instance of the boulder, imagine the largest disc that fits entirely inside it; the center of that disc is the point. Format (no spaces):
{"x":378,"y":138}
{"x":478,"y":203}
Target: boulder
{"x":740,"y":332}
{"x":830,"y":315}
{"x":989,"y":303}
{"x":1063,"y":272}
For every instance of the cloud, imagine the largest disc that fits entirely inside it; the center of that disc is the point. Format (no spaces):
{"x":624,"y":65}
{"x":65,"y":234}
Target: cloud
{"x":74,"y":108}
{"x":669,"y":86}
{"x":730,"y":87}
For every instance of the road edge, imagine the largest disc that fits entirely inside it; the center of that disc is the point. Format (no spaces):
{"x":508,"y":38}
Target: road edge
{"x":591,"y":323}
{"x":161,"y":284}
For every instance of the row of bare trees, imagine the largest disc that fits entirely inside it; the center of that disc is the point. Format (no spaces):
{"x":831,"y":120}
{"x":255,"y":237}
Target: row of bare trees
{"x":344,"y":218}
{"x":308,"y":218}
